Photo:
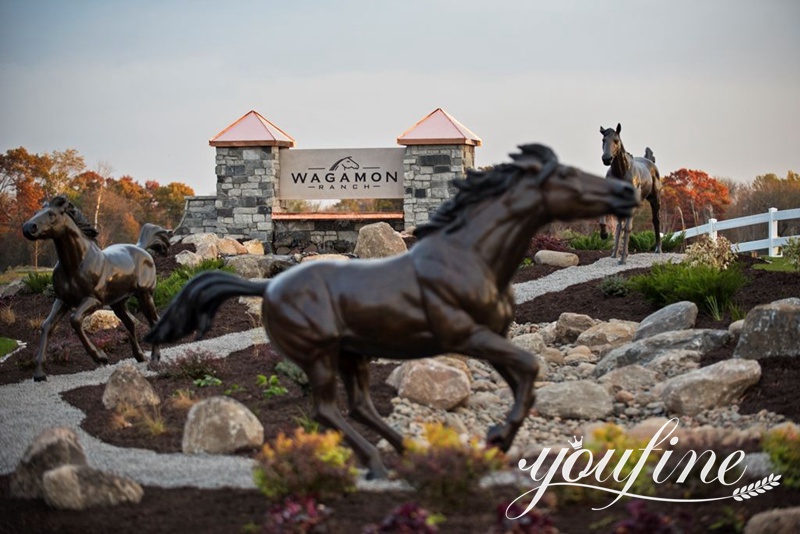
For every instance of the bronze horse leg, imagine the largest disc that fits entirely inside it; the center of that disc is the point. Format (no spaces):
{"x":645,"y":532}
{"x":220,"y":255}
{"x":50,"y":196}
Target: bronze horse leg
{"x":121,"y":311}
{"x":622,"y":239}
{"x":654,"y":206}
{"x":322,"y":377}
{"x":57,"y":312}
{"x":87,"y":306}
{"x":148,"y":307}
{"x":354,"y":371}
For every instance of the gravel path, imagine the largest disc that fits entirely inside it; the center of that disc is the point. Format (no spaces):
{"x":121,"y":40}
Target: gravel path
{"x":28,"y":408}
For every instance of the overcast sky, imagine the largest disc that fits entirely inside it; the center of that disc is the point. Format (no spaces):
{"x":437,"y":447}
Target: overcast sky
{"x":142,"y":86}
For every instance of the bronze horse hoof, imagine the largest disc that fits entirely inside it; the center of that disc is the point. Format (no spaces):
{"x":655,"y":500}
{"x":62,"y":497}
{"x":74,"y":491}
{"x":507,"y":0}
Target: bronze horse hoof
{"x":42,"y":378}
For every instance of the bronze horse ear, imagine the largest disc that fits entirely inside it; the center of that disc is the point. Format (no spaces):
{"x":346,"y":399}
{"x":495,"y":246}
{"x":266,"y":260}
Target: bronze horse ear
{"x":619,"y":128}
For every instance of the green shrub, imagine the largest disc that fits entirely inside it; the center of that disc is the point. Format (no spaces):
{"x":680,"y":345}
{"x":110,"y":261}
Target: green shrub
{"x":671,"y":242}
{"x":167,"y":288}
{"x":717,"y":253}
{"x":668,"y":283}
{"x":782,"y":443}
{"x":444,"y":470}
{"x":592,"y":241}
{"x":305,"y":465}
{"x":791,"y":251}
{"x":642,"y":241}
{"x":615,"y":286}
{"x":39,"y":283}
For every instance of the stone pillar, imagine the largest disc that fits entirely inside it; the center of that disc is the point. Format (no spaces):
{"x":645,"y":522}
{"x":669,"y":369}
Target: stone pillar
{"x":428,"y":170}
{"x":247,"y":184}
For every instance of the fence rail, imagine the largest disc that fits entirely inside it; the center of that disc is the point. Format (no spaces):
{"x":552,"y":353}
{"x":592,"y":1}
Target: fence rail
{"x":772,"y":243}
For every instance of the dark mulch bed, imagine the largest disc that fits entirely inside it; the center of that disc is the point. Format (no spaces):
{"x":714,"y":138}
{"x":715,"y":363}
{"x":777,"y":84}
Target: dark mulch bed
{"x":228,"y":510}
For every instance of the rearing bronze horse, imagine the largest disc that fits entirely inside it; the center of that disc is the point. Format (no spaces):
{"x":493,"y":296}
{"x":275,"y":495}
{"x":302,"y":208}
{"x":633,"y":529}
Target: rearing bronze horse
{"x":87,"y":278}
{"x":642,"y":173}
{"x":450,"y":293}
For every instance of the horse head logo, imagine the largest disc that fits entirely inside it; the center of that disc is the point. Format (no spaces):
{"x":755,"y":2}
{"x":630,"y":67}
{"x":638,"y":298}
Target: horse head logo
{"x":345,"y":163}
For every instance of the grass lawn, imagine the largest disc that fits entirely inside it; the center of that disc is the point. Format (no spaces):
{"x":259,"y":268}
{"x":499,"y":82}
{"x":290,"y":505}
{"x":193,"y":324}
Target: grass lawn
{"x":6,"y":346}
{"x":776,"y":264}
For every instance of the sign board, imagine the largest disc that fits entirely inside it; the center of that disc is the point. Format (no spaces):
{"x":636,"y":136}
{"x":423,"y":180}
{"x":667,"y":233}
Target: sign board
{"x":342,"y":173}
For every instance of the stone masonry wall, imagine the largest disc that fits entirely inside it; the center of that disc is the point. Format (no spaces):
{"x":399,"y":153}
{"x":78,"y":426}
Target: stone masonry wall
{"x":429,"y":170}
{"x":331,"y":235}
{"x":199,"y":216}
{"x":247,"y":182}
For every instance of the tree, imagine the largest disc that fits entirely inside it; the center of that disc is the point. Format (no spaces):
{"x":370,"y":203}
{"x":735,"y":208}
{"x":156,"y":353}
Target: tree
{"x":21,"y":194}
{"x":690,"y":198}
{"x":169,"y":202}
{"x":767,"y":191}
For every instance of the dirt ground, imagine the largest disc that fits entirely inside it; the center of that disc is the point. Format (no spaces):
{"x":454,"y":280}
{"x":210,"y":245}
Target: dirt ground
{"x":229,"y":510}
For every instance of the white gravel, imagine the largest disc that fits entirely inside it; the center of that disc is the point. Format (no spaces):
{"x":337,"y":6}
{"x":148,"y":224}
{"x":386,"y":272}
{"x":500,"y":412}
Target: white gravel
{"x":28,"y":408}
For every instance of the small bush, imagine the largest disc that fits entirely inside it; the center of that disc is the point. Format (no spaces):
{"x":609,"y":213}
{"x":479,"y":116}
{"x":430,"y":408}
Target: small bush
{"x":39,"y":283}
{"x":614,"y":286}
{"x":642,"y":241}
{"x":7,"y":315}
{"x":592,"y":241}
{"x":407,"y":518}
{"x":167,"y":288}
{"x":305,"y":465}
{"x":207,"y":381}
{"x":782,"y":443}
{"x":547,"y":242}
{"x":669,"y":282}
{"x":644,"y":521}
{"x":791,"y":251}
{"x":193,"y":364}
{"x":715,"y":253}
{"x":444,"y":470}
{"x":271,"y":387}
{"x":296,"y":515}
{"x":671,"y":242}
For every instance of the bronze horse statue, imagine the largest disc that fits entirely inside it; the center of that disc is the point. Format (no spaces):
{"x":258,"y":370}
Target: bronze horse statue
{"x":642,"y":173}
{"x":87,"y":278}
{"x":450,"y":293}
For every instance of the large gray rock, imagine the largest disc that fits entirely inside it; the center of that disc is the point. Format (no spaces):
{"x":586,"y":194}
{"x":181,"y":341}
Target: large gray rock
{"x":432,"y":383}
{"x":710,"y":387}
{"x":259,"y":265}
{"x":771,"y":330}
{"x":777,"y":521}
{"x":221,"y":425}
{"x":52,"y":448}
{"x":677,"y":316}
{"x":578,"y":399}
{"x":647,"y":349}
{"x":533,"y":343}
{"x":79,"y":487}
{"x":571,"y":325}
{"x":555,"y":258}
{"x":13,"y":288}
{"x":126,"y":385}
{"x":254,"y":246}
{"x":378,"y":240}
{"x":629,"y":378}
{"x":675,"y":362}
{"x":187,"y":258}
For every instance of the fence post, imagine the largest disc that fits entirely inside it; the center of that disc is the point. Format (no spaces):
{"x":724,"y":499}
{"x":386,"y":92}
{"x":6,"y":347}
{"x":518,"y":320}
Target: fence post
{"x":712,"y":229}
{"x":772,"y":233}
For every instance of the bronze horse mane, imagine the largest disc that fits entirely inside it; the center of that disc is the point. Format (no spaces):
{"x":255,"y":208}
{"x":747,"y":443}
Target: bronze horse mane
{"x":86,"y":278}
{"x":451,"y":292}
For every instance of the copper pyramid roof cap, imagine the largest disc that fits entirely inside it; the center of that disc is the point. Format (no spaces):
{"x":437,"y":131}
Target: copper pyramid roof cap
{"x":252,"y":129}
{"x":438,"y":128}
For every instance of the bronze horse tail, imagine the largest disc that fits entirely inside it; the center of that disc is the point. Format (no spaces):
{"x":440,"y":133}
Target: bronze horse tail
{"x":155,"y":238}
{"x":199,"y":301}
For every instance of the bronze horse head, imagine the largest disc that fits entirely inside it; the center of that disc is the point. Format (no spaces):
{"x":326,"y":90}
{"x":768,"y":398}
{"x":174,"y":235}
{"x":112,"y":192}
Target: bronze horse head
{"x":643,"y":174}
{"x":450,"y":293}
{"x":87,"y":278}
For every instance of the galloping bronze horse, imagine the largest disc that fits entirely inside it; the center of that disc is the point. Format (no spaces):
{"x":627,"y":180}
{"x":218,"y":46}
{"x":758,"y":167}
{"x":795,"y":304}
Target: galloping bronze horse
{"x":643,"y":174}
{"x":450,"y":293}
{"x":87,"y":278}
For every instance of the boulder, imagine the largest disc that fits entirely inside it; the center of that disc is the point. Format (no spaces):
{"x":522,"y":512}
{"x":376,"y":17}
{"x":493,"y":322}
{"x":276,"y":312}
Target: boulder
{"x":431,"y":383}
{"x":378,"y":240}
{"x":79,"y":487}
{"x":571,"y":325}
{"x":259,"y":265}
{"x":205,"y":245}
{"x":228,"y":246}
{"x":254,"y":246}
{"x":13,"y":288}
{"x":555,"y":258}
{"x":607,"y":335}
{"x":715,"y":386}
{"x":577,"y":399}
{"x":777,"y":521}
{"x":101,"y":320}
{"x":771,"y":330}
{"x":52,"y":448}
{"x":126,"y":385}
{"x":677,"y":316}
{"x":533,"y":343}
{"x":647,"y":349}
{"x":221,"y":425}
{"x":187,"y":258}
{"x":324,"y":257}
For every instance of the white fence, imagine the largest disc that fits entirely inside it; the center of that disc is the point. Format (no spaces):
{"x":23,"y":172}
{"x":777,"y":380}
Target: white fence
{"x":772,"y":243}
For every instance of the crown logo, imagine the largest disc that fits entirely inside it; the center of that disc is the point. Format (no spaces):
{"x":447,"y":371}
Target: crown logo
{"x":578,"y":442}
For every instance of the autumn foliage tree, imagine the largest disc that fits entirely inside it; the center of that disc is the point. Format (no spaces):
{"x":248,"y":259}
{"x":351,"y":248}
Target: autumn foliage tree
{"x":690,"y":198}
{"x":118,"y":207}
